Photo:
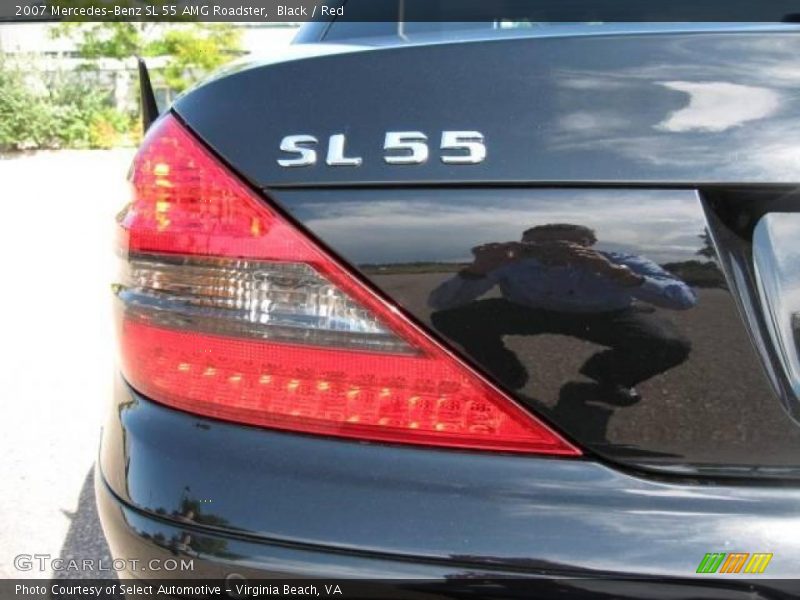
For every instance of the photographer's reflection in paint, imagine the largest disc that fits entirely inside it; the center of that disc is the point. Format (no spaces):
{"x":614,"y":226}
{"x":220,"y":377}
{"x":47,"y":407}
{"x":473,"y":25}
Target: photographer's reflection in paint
{"x":554,"y":281}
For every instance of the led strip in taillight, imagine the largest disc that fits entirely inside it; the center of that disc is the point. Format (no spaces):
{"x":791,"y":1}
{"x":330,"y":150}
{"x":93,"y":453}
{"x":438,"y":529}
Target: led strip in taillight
{"x":229,"y":311}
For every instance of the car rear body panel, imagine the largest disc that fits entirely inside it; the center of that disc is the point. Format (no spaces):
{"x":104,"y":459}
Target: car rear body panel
{"x":670,"y":146}
{"x":227,"y":558}
{"x":678,"y":109}
{"x":713,"y":409}
{"x":698,"y":110}
{"x":545,"y":517}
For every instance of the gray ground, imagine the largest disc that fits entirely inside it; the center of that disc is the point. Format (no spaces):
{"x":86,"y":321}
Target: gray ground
{"x":56,"y":359}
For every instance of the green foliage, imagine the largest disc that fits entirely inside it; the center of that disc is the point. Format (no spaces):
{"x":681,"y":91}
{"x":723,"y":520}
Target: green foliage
{"x":194,"y":51}
{"x":76,"y":110}
{"x":24,"y":118}
{"x":109,"y":128}
{"x":73,"y":105}
{"x":85,"y":117}
{"x":71,"y":114}
{"x":118,"y":40}
{"x":111,"y":39}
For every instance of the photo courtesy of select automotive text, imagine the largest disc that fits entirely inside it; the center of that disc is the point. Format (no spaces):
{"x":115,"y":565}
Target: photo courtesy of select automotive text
{"x":400,"y":299}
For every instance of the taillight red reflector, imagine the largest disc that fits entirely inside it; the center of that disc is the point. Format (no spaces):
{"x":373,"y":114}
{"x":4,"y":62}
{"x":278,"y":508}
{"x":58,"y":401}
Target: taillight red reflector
{"x":360,"y":395}
{"x":230,"y":311}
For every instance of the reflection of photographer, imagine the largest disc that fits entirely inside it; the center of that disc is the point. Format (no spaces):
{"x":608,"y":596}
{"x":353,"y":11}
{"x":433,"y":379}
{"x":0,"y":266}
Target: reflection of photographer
{"x":554,"y":282}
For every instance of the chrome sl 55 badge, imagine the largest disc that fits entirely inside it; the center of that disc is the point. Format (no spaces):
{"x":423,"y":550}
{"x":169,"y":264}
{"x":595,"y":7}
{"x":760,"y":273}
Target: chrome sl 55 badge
{"x":399,"y":148}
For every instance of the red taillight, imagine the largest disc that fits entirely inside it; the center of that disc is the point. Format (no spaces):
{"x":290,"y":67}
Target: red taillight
{"x":229,"y":311}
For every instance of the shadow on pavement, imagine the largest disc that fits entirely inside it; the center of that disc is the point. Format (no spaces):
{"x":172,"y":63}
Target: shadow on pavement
{"x":85,"y":540}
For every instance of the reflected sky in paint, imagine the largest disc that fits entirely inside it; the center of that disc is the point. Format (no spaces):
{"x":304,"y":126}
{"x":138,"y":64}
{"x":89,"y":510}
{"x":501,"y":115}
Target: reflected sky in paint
{"x":424,"y":225}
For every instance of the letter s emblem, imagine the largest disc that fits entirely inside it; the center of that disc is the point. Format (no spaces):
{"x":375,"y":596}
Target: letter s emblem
{"x":299,"y":145}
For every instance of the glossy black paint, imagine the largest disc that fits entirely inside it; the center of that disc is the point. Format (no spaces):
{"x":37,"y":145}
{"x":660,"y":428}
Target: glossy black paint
{"x":671,"y":108}
{"x":147,"y":98}
{"x":228,"y":558}
{"x":696,"y":110}
{"x":715,"y":409}
{"x":733,"y":215}
{"x":286,"y":503}
{"x":680,"y":110}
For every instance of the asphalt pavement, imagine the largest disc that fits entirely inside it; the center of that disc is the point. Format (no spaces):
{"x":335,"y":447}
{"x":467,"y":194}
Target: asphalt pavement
{"x":56,"y":359}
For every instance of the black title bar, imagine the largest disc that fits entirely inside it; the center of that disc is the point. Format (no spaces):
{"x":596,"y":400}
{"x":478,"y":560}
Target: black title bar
{"x":513,"y":11}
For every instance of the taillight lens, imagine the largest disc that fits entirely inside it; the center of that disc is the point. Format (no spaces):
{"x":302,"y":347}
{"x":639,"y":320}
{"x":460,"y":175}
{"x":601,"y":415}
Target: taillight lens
{"x":229,"y":311}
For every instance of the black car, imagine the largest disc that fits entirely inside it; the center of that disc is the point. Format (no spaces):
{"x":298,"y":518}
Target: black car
{"x":469,"y":308}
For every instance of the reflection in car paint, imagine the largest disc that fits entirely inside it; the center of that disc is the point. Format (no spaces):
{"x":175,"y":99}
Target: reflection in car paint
{"x":705,"y":400}
{"x":554,"y":282}
{"x":777,"y":260}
